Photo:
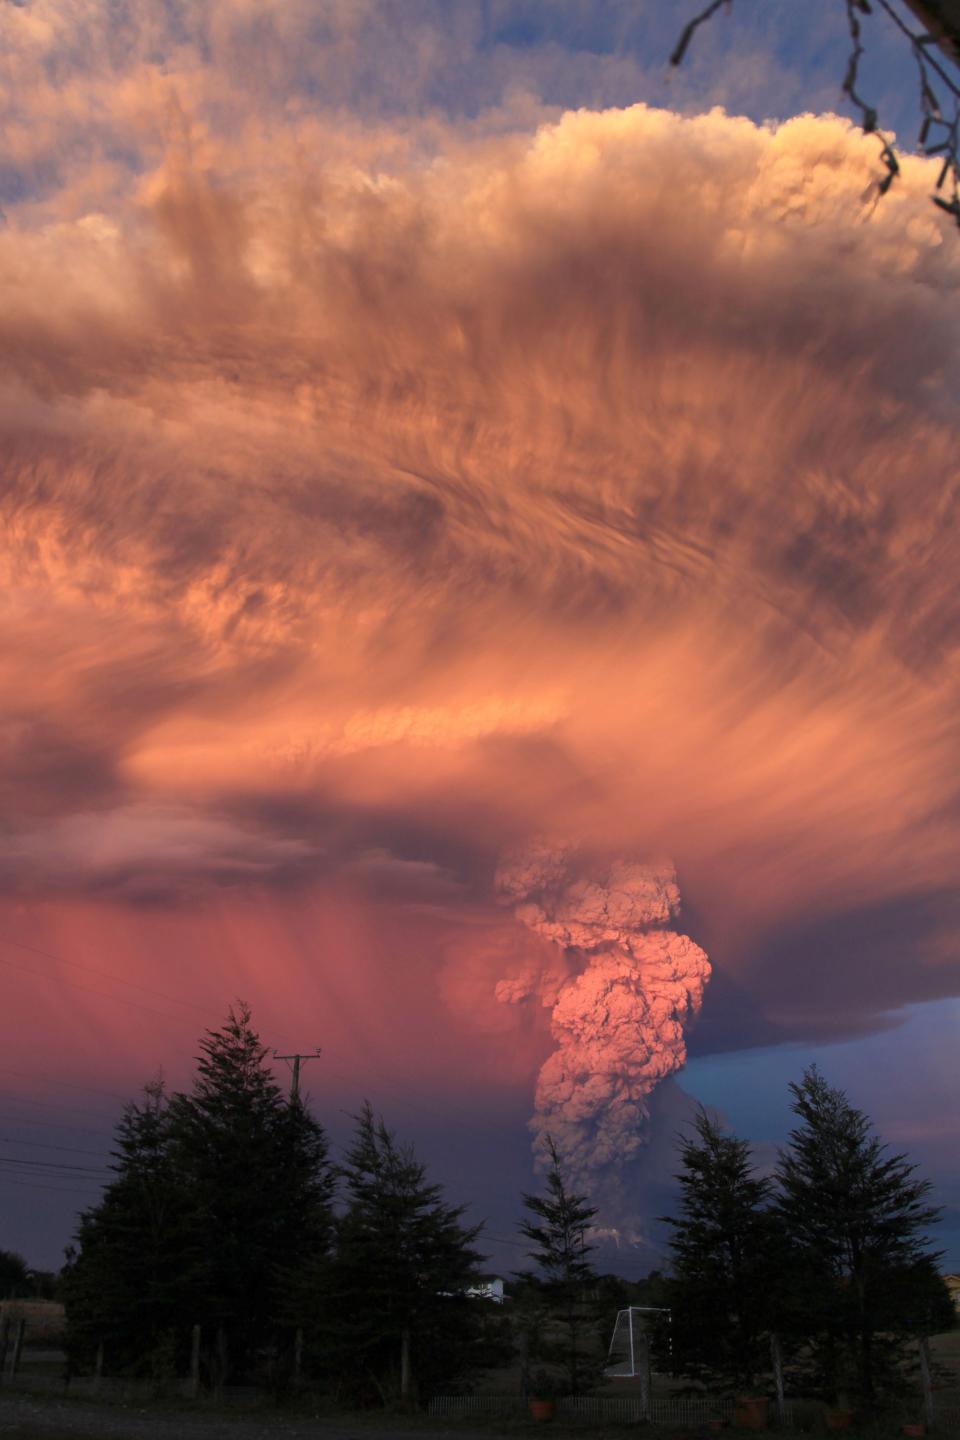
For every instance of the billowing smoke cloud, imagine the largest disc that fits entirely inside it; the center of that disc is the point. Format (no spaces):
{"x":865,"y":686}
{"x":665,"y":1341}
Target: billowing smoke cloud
{"x":618,"y":1019}
{"x":376,"y":493}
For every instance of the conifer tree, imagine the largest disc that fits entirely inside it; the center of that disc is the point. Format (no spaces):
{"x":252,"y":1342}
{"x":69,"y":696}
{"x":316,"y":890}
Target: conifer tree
{"x":397,"y":1318}
{"x":14,"y":1276}
{"x":724,"y":1251}
{"x":561,"y":1320}
{"x":220,"y":1195}
{"x":259,"y":1184}
{"x":124,"y":1283}
{"x":858,"y":1216}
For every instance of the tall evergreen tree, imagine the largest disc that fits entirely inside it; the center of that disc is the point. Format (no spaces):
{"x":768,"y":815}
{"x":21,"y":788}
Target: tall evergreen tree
{"x":15,"y":1279}
{"x":561,"y":1320}
{"x":397,"y":1317}
{"x":219,"y":1196}
{"x":259,"y":1186}
{"x":859,"y":1216}
{"x":124,"y":1283}
{"x":725,"y":1252}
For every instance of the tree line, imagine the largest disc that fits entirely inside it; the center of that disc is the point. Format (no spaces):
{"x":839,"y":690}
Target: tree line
{"x":227,"y":1218}
{"x":229,"y":1237}
{"x":823,"y":1266}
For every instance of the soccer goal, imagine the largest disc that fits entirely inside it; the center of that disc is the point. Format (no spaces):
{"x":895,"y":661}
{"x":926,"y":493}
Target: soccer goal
{"x":629,"y":1353}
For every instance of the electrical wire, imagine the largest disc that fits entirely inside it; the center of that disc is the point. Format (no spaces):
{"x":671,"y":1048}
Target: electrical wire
{"x":87,"y":989}
{"x":70,"y":1084}
{"x":57,"y":1165}
{"x":103,"y":974}
{"x":44,"y":1145}
{"x":70,"y":1125}
{"x":57,"y":1189}
{"x":17,"y":1098}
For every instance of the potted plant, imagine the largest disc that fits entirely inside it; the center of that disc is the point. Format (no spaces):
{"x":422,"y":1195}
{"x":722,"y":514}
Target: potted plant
{"x":750,"y":1412}
{"x":840,"y":1414}
{"x":543,"y":1395}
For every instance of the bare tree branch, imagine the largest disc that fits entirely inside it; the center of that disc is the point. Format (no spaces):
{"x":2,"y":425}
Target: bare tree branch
{"x":680,"y":49}
{"x":939,"y":135}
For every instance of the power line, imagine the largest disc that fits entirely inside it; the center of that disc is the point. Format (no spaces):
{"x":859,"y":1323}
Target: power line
{"x":70,"y":1084}
{"x":16,"y":1098}
{"x":39,"y":1185}
{"x":49,"y":1124}
{"x":103,"y":974}
{"x":295,"y":1062}
{"x":44,"y":1145}
{"x":57,"y":1165}
{"x":87,"y":989}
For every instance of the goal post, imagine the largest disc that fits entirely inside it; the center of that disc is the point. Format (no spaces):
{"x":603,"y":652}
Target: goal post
{"x":629,"y":1353}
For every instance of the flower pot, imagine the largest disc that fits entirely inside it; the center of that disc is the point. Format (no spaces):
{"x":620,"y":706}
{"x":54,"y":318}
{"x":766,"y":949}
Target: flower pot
{"x":750,"y":1412}
{"x":542,"y":1409}
{"x":839,"y":1419}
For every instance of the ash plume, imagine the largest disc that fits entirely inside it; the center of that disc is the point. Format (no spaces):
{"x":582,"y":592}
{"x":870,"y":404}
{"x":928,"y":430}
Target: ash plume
{"x":621,"y":994}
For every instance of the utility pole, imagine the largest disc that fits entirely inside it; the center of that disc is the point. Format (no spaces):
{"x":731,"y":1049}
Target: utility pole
{"x":295,"y":1062}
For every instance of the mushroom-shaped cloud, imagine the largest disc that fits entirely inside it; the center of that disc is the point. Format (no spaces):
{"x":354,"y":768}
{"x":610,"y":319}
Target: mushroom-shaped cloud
{"x":629,"y":984}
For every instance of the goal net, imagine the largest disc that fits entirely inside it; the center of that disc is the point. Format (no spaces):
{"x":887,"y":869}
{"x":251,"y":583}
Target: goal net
{"x":629,"y":1353}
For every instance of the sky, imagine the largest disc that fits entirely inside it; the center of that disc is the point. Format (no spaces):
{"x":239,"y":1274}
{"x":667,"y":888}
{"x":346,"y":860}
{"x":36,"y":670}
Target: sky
{"x":478,"y":510}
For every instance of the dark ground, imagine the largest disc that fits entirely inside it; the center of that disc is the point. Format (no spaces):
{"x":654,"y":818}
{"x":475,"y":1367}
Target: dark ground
{"x":27,"y":1417}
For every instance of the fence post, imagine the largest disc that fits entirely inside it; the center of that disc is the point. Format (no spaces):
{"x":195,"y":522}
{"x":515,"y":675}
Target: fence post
{"x":524,"y":1348}
{"x":221,"y":1361}
{"x":195,"y":1362}
{"x":298,"y":1355}
{"x":406,"y":1372}
{"x":776,"y":1357}
{"x":643,"y":1367}
{"x":927,"y":1381}
{"x":17,"y":1347}
{"x":4,"y":1342}
{"x":98,"y":1368}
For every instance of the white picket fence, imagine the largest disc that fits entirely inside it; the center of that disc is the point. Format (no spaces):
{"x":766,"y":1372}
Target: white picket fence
{"x":451,"y":1405}
{"x":682,"y":1410}
{"x":677,"y":1410}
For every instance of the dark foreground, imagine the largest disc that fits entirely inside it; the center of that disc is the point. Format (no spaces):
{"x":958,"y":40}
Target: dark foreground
{"x":29,"y":1417}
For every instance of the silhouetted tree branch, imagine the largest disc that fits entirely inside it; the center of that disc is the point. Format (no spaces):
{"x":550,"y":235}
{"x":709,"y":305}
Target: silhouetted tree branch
{"x":939,"y":90}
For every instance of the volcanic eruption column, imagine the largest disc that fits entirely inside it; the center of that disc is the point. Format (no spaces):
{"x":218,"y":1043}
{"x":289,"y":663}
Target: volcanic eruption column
{"x":621,"y":993}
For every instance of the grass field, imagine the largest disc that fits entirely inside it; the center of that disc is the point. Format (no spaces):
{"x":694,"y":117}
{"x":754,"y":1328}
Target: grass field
{"x":45,"y":1319}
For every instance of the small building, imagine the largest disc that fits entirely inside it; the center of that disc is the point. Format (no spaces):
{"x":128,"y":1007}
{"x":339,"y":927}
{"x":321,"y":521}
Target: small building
{"x":489,"y":1287}
{"x":952,"y":1283}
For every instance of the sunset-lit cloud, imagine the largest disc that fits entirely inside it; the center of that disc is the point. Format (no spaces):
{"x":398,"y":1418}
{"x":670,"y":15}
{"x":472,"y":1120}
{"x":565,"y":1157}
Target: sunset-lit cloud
{"x":378,"y":495}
